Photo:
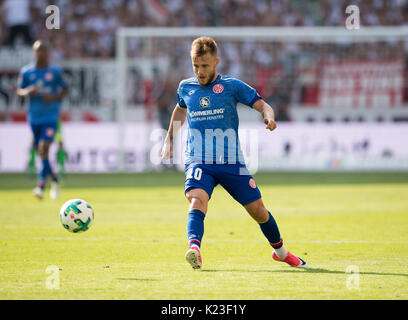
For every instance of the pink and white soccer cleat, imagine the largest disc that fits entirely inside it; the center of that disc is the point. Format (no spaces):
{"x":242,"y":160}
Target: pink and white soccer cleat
{"x":292,"y":260}
{"x":193,"y":257}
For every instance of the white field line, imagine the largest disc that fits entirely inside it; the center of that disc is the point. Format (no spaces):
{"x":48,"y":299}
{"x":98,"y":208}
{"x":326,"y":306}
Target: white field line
{"x":206,"y":240}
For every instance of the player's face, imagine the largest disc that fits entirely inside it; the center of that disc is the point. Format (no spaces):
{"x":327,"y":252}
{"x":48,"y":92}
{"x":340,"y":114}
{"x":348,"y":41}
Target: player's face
{"x":41,"y":54}
{"x":205,"y":68}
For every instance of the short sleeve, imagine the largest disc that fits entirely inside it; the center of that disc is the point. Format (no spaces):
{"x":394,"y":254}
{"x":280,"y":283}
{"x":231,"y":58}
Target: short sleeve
{"x":180,"y":100}
{"x":245,"y":93}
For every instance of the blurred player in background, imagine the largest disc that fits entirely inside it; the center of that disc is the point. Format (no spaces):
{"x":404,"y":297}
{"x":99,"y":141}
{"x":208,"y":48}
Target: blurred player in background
{"x":209,"y":101}
{"x":61,"y":154}
{"x":43,"y":84}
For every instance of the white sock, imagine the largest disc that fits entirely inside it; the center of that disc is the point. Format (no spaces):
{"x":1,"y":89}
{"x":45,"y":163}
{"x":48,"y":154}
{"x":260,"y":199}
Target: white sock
{"x":281,"y":252}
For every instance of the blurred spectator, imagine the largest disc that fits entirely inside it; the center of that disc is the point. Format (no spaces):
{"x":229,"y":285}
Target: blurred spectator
{"x":166,"y":101}
{"x":17,"y":19}
{"x":283,"y":73}
{"x":84,"y":20}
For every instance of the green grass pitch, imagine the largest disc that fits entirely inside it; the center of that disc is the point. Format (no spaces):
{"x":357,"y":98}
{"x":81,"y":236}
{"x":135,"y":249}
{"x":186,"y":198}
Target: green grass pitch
{"x":351,"y":228}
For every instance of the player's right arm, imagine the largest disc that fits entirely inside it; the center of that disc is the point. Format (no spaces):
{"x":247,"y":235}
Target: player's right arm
{"x":176,"y":122}
{"x":28,"y":91}
{"x":23,"y":89}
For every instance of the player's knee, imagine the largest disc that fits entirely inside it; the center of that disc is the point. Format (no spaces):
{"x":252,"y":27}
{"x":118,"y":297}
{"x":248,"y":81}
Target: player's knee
{"x":197,"y":200}
{"x":197,"y":203}
{"x":261,"y":215}
{"x":258,"y":211}
{"x":43,"y":148}
{"x":41,"y":151}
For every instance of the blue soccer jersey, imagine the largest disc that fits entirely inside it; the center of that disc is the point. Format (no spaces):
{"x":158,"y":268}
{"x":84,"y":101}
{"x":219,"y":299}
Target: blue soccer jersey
{"x":48,"y":80}
{"x":213,"y":118}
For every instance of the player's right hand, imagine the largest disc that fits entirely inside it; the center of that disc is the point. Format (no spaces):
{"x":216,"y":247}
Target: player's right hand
{"x":167,"y":150}
{"x":270,"y":124}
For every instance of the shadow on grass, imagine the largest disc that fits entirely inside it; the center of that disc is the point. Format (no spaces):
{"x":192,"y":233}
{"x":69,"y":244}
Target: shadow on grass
{"x":311,"y":270}
{"x":135,"y":279}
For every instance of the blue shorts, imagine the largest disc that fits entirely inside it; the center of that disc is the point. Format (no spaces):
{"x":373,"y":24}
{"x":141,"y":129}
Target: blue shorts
{"x":43,"y":132}
{"x":234,"y":178}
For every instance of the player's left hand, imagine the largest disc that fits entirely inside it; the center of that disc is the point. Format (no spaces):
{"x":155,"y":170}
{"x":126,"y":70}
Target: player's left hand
{"x":49,"y":97}
{"x":270,"y":124}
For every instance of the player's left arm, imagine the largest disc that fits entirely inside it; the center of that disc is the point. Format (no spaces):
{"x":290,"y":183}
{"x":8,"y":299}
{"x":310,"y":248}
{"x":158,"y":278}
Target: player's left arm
{"x":267,"y":112}
{"x":48,"y":97}
{"x":62,"y":85}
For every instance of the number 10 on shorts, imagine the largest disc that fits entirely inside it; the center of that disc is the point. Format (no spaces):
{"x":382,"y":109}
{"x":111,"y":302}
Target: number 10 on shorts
{"x":194,"y":173}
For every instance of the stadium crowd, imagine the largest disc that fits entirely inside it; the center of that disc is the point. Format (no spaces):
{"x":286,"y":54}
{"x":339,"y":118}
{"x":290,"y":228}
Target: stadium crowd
{"x":87,"y":30}
{"x":88,"y":27}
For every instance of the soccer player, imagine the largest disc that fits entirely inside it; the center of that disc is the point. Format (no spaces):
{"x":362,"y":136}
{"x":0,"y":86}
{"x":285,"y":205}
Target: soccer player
{"x":213,"y":154}
{"x":61,"y":153}
{"x":43,"y":84}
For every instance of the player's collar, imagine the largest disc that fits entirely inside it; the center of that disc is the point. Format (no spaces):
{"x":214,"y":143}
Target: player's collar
{"x":216,"y":79}
{"x":45,"y":68}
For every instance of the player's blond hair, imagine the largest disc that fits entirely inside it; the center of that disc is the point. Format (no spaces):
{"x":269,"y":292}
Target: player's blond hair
{"x":202,"y":46}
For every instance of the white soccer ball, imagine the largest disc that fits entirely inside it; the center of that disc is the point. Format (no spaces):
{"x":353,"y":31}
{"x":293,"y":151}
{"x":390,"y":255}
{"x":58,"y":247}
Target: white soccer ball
{"x":76,"y":215}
